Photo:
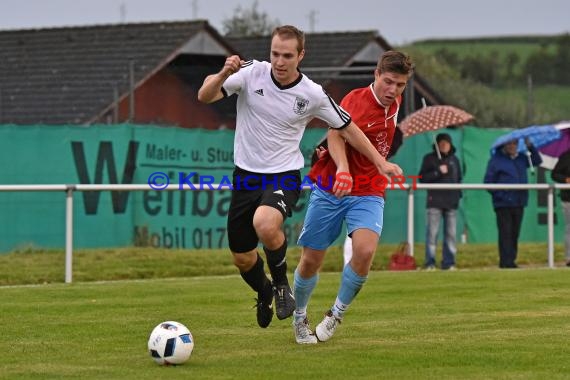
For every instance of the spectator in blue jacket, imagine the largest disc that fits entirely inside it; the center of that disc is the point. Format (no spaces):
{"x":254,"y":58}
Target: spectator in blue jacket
{"x":507,"y":166}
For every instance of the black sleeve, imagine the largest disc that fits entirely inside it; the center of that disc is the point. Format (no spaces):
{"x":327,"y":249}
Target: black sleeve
{"x":562,"y":169}
{"x":460,"y":171}
{"x":397,"y":142}
{"x":429,"y":172}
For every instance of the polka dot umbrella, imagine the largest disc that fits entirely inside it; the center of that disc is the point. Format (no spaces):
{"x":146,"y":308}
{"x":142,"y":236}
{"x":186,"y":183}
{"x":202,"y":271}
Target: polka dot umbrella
{"x":432,"y":118}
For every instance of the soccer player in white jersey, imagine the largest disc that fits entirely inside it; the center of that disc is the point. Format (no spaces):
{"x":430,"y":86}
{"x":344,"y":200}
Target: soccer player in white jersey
{"x":375,"y":110}
{"x":275,"y":103}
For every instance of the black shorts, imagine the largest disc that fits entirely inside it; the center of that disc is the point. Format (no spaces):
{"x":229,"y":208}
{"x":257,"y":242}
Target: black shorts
{"x":251,"y":190}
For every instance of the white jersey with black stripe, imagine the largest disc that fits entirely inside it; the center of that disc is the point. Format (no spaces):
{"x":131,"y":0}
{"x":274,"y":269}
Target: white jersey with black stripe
{"x":271,"y":118}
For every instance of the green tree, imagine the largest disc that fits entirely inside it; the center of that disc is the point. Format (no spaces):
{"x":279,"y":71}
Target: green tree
{"x":479,"y":68}
{"x":550,"y":67}
{"x":511,"y":61}
{"x":562,"y":61}
{"x":449,"y":57}
{"x":489,"y":108}
{"x":249,"y":22}
{"x":499,"y":97}
{"x":541,"y":66}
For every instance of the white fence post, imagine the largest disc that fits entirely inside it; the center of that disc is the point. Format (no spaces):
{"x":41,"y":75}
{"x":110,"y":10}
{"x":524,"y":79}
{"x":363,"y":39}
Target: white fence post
{"x":69,"y":233}
{"x":550,"y":216}
{"x":411,"y":220}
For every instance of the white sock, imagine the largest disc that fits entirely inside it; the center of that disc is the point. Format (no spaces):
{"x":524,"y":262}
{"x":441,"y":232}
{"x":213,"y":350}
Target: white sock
{"x":300,"y":314}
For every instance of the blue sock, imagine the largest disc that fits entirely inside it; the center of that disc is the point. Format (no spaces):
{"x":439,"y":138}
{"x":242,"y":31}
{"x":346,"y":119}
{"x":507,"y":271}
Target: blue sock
{"x":350,"y":285}
{"x":303,"y":288}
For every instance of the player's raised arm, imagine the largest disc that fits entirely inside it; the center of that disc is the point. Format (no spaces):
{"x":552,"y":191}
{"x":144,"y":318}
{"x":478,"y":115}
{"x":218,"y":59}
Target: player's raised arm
{"x":211,"y":89}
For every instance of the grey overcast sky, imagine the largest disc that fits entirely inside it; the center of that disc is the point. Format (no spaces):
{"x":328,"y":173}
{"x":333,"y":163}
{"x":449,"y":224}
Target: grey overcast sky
{"x":398,"y":22}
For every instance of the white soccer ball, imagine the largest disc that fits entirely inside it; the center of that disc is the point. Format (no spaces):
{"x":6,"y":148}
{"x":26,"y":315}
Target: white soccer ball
{"x":170,"y":343}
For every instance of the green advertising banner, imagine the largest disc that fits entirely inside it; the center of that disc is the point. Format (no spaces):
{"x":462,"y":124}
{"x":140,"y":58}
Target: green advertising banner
{"x":122,"y":154}
{"x":129,"y":154}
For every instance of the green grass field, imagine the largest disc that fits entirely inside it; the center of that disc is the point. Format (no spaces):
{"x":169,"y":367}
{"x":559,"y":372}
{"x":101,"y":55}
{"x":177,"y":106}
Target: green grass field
{"x":48,"y":266}
{"x":468,"y":324}
{"x":476,"y":323}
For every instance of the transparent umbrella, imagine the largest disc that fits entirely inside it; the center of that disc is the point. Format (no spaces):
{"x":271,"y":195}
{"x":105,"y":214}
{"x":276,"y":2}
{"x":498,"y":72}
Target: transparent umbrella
{"x":539,"y":136}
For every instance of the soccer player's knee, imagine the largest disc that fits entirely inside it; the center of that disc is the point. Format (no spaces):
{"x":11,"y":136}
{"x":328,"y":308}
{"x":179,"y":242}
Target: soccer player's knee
{"x":265,"y":228}
{"x":309,"y":265}
{"x":363,"y":251}
{"x":245,"y":261}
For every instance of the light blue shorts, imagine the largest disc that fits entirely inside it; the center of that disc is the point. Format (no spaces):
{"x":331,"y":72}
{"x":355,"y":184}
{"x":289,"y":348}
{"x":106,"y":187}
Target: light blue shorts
{"x":326,"y":213}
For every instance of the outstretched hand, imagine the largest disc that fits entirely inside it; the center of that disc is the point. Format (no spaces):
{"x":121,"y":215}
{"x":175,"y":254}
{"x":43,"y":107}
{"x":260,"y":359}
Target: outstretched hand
{"x":232,"y":65}
{"x":389,"y":169}
{"x":320,"y":151}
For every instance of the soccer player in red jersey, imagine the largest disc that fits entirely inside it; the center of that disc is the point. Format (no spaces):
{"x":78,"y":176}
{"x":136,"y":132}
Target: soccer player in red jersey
{"x":375,"y":110}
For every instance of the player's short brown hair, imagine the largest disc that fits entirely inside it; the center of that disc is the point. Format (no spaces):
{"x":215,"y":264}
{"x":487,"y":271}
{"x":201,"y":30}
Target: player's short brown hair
{"x":395,"y":62}
{"x":289,"y":31}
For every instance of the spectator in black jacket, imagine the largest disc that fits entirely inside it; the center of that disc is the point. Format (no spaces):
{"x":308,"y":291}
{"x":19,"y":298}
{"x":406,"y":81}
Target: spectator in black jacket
{"x":441,"y":166}
{"x":561,"y":173}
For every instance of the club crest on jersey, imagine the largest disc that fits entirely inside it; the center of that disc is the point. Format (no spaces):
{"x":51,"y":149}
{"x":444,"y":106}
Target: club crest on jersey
{"x":300,"y":106}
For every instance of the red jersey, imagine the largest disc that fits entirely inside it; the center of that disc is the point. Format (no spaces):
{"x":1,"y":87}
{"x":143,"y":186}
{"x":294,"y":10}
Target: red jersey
{"x":378,"y":124}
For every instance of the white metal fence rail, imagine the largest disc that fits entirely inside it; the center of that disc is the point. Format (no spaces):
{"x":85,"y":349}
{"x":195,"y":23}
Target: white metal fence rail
{"x":70,"y":189}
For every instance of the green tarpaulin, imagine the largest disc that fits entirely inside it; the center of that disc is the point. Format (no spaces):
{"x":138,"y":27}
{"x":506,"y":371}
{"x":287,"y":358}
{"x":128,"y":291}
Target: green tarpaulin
{"x":194,"y":219}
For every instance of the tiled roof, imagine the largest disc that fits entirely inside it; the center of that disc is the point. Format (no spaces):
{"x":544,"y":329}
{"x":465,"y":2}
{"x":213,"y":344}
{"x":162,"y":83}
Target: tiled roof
{"x":69,"y":75}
